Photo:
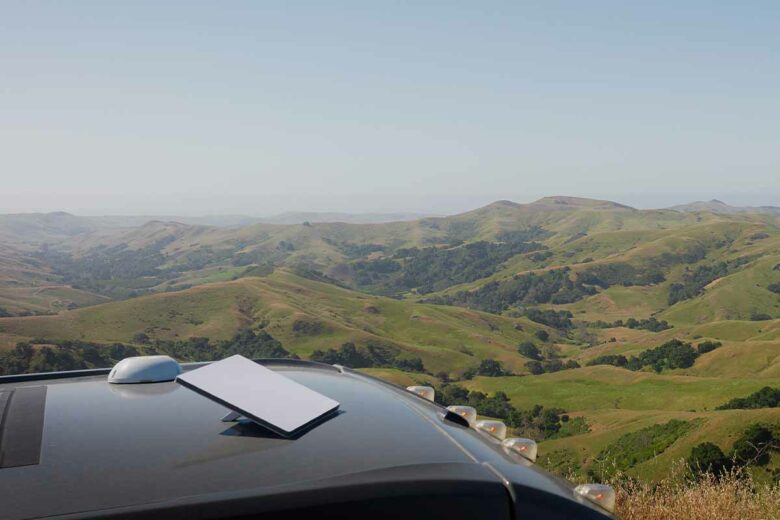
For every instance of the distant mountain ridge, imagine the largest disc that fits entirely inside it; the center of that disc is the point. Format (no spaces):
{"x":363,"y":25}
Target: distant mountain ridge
{"x":62,"y":219}
{"x":67,"y":223}
{"x":720,"y":207}
{"x":348,"y":218}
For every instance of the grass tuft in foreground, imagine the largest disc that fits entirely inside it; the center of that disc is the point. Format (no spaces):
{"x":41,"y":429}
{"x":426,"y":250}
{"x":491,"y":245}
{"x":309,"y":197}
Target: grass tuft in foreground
{"x":734,"y":495}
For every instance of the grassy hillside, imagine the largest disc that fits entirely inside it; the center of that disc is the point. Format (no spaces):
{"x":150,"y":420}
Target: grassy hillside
{"x":449,"y":339}
{"x":615,"y":402}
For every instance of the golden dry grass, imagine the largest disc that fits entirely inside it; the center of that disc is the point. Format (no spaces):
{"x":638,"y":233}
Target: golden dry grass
{"x":733,"y":497}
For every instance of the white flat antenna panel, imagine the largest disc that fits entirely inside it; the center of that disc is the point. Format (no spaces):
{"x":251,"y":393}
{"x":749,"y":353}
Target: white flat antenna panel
{"x":262,"y":395}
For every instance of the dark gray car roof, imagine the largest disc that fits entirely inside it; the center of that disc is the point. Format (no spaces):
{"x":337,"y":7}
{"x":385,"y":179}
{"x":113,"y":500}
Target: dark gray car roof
{"x":117,"y":446}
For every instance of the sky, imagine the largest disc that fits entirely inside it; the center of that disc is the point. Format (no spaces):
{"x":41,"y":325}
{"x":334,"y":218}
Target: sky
{"x":195,"y":108}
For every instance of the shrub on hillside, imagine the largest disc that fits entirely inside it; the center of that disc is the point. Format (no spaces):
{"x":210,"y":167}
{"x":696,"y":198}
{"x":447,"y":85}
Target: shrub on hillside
{"x":609,"y":359}
{"x":767,"y":397}
{"x":755,"y":446}
{"x":707,"y":346}
{"x":534,"y":367}
{"x":491,"y":368}
{"x":708,"y":458}
{"x":639,"y":446}
{"x":652,"y":324}
{"x":529,"y":350}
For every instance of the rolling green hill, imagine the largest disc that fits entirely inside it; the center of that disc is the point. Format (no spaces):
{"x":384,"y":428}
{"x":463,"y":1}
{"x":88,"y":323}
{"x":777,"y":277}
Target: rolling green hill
{"x":303,"y":314}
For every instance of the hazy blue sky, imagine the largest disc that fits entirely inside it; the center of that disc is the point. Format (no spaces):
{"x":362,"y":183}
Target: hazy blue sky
{"x":260,"y":107}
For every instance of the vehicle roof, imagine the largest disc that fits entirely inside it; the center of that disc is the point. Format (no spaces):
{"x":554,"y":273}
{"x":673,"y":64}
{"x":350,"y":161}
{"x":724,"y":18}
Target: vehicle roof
{"x":109,"y":446}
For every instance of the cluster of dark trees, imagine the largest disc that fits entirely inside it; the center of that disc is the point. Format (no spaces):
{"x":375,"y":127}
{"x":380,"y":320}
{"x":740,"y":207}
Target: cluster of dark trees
{"x":652,"y":324}
{"x":44,"y":355}
{"x":120,"y":271}
{"x":767,"y":397}
{"x":695,"y":280}
{"x":538,"y":422}
{"x":4,"y":313}
{"x":310,"y":273}
{"x":560,"y":320}
{"x":488,"y":368}
{"x":617,"y":360}
{"x":248,"y":343}
{"x":529,"y":350}
{"x":541,"y":256}
{"x":707,"y":346}
{"x":373,"y":355}
{"x":672,"y":354}
{"x":26,"y":358}
{"x":434,"y":268}
{"x":753,"y":448}
{"x":556,"y":286}
{"x":540,"y":365}
{"x":620,"y":273}
{"x":377,"y":272}
{"x":353,"y":250}
{"x":550,"y":365}
{"x":117,"y":271}
{"x":553,"y":286}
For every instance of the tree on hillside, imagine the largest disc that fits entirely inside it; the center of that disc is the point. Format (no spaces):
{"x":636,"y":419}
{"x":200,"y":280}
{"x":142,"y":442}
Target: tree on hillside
{"x":543,"y":335}
{"x":552,"y":365}
{"x":707,"y":458}
{"x":535,"y":367}
{"x":754,"y":447}
{"x":529,"y":350}
{"x":491,"y":368}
